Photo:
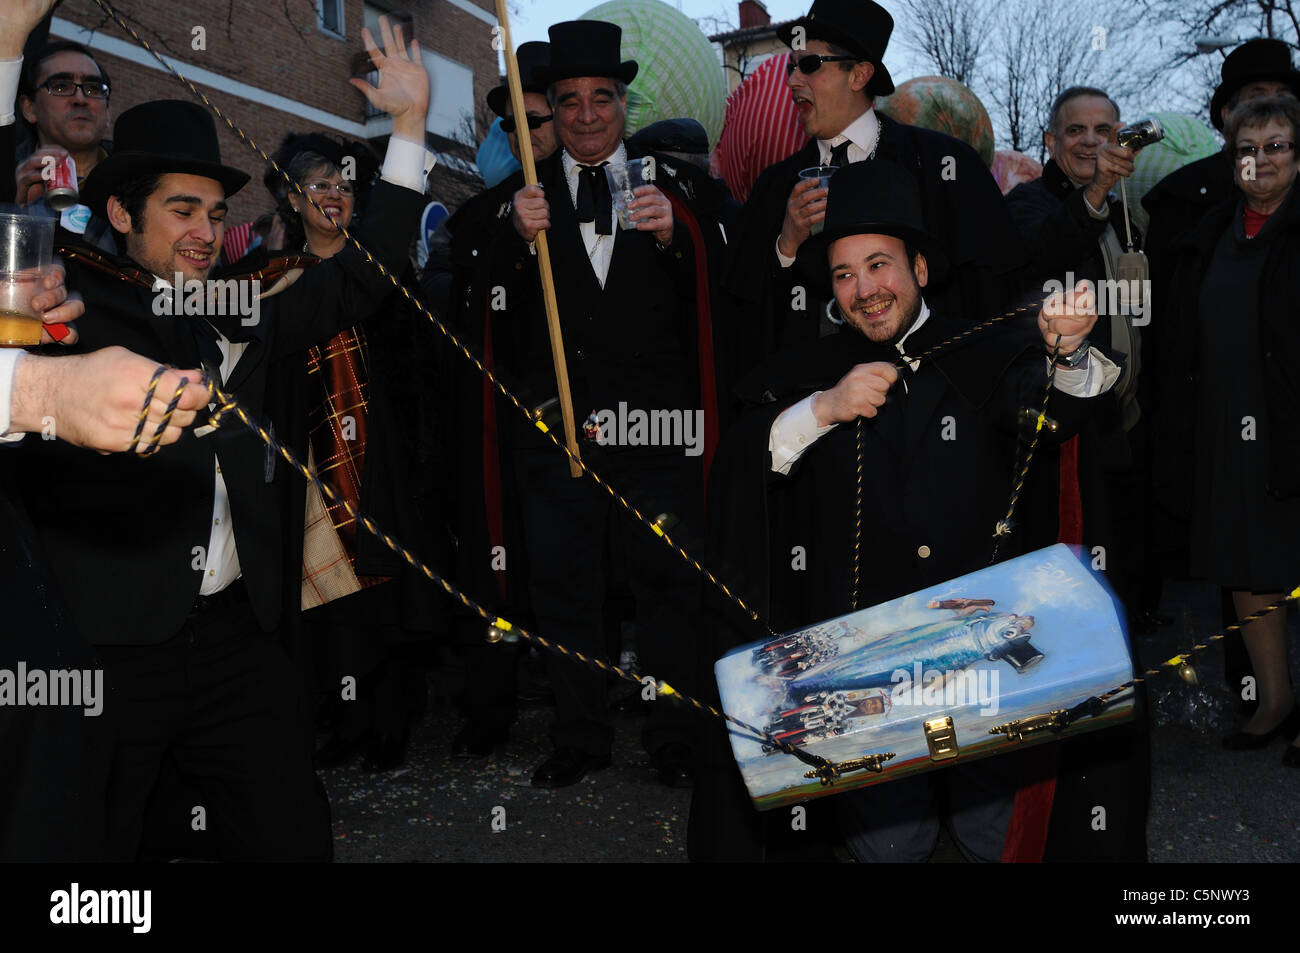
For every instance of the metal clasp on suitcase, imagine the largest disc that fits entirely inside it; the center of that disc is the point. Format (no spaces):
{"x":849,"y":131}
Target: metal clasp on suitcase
{"x":941,"y":737}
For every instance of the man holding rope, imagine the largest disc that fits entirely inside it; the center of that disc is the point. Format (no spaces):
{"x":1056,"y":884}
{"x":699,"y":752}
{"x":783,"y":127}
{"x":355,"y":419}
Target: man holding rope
{"x":178,"y":584}
{"x":866,"y":423}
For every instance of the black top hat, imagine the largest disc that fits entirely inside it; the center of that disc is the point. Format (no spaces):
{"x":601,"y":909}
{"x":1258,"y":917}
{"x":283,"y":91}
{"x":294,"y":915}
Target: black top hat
{"x":1254,"y":60}
{"x":166,"y":135}
{"x":530,"y":56}
{"x":860,"y":26}
{"x":335,"y":150}
{"x":586,"y":48}
{"x":875,"y":197}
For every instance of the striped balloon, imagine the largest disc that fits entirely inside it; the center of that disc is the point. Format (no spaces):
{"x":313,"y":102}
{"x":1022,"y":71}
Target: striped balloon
{"x":761,"y":127}
{"x":679,"y":73}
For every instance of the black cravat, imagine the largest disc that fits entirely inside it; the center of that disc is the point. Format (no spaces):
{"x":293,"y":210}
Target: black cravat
{"x":840,"y":155}
{"x":205,"y":338}
{"x":594,"y":203}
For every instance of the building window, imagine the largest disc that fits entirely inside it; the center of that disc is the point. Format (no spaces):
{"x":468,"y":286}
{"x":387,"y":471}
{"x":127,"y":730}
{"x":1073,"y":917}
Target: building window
{"x":329,"y":16}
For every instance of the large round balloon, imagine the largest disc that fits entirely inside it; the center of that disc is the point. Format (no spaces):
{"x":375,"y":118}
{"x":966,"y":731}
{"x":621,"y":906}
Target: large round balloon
{"x":1010,"y":168}
{"x":679,"y":74}
{"x":762,"y":127}
{"x":1186,"y":140}
{"x":945,"y":105}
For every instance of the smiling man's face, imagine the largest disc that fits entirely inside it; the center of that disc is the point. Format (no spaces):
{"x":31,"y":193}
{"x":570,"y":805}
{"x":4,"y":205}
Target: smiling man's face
{"x":1082,"y":125}
{"x":877,"y":289}
{"x":181,"y":227}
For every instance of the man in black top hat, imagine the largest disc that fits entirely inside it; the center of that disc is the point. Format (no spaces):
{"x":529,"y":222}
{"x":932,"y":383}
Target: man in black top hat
{"x":836,"y":71}
{"x":785,"y":478}
{"x":179,"y":607}
{"x":634,"y":307}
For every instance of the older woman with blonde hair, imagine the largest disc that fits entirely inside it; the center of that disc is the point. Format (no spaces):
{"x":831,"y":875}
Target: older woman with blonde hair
{"x":1231,"y":399}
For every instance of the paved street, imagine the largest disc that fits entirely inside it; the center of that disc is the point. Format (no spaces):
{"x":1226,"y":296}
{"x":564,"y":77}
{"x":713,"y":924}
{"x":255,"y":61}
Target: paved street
{"x":1207,"y":804}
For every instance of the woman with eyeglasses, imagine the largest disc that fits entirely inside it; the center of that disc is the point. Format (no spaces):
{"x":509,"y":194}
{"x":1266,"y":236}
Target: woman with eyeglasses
{"x":354,"y":406}
{"x":1231,"y":400}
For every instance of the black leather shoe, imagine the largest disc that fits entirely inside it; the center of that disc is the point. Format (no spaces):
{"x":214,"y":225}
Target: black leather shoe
{"x":672,"y":763}
{"x":1249,"y":741}
{"x":477,"y":740}
{"x":567,"y":766}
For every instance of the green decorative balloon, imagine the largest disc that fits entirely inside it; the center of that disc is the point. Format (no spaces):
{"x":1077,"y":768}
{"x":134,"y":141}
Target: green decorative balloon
{"x":680,"y":75}
{"x":945,"y":105}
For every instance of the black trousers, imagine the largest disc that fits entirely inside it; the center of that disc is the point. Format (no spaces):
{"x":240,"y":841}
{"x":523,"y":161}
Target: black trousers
{"x":568,"y":524}
{"x":223,"y":702}
{"x":53,"y":759}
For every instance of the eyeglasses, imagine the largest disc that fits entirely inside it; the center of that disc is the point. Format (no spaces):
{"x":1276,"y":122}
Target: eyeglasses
{"x":91,"y":88}
{"x":812,"y":62}
{"x":322,"y":188}
{"x":534,"y":122}
{"x":1268,"y":148}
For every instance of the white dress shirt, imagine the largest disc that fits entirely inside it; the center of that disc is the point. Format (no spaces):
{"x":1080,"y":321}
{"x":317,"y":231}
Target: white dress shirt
{"x":600,"y":248}
{"x":796,"y":429}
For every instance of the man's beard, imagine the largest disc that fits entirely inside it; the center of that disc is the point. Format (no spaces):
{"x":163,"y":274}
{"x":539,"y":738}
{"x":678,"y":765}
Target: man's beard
{"x":909,"y":319}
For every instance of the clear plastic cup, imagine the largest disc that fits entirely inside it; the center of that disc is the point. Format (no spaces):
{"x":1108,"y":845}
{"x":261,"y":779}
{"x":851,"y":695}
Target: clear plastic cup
{"x":623,"y":178}
{"x":822,"y":173}
{"x":26,"y":253}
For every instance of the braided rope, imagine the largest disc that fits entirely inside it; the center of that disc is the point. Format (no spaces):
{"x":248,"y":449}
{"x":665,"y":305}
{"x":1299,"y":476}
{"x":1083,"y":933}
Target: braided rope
{"x":447,"y":332}
{"x":227,"y":404}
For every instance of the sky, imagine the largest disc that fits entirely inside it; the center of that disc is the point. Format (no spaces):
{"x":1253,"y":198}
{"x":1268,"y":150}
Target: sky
{"x":536,"y":15}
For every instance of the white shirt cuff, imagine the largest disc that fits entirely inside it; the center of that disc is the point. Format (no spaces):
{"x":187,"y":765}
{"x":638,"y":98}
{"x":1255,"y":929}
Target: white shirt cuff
{"x":407,"y":163}
{"x":9,"y":358}
{"x":785,"y":261}
{"x":1102,"y":213}
{"x":1096,"y":375}
{"x":793,"y":433}
{"x":10,"y":71}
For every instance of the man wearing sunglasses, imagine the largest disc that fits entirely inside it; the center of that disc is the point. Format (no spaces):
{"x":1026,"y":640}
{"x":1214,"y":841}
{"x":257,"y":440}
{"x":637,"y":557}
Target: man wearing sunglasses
{"x":835,"y":73}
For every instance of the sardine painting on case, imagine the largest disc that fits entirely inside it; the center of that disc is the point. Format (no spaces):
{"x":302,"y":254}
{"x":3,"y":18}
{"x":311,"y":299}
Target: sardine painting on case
{"x":1024,"y":637}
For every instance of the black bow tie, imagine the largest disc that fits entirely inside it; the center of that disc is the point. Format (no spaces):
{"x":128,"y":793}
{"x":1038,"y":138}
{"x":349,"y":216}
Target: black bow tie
{"x":594,"y":203}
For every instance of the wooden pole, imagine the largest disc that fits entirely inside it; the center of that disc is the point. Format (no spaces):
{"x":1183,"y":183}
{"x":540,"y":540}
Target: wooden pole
{"x":543,"y":252}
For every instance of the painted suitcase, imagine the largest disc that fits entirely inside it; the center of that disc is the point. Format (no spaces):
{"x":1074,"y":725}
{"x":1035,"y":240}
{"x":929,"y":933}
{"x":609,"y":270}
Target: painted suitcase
{"x":1015,"y":640}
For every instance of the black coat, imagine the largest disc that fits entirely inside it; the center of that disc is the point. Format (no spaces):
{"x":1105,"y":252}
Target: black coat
{"x":929,"y":508}
{"x":127,"y":537}
{"x":1279,"y":356}
{"x":962,"y":208}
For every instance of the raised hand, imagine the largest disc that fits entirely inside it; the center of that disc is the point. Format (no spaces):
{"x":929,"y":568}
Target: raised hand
{"x":403,"y":90}
{"x":17,"y":19}
{"x":806,"y":207}
{"x":1071,"y":315}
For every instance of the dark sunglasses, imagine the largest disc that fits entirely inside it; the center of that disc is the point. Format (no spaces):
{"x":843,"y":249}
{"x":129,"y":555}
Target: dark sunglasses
{"x":812,"y":62}
{"x":534,"y":122}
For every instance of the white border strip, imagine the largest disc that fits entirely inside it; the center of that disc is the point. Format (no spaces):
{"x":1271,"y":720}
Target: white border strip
{"x":474,"y":10}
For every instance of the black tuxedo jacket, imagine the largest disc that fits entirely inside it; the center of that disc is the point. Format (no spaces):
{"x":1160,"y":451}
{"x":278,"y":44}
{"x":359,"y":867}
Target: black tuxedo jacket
{"x":632,"y":341}
{"x":127,"y":538}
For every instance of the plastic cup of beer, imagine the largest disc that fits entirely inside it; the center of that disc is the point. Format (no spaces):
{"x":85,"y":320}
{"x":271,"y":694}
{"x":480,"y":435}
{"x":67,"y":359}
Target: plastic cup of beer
{"x":26,"y":253}
{"x":822,"y":173}
{"x":623,"y":178}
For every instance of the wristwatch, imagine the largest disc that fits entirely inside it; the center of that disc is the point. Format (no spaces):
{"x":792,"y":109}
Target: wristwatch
{"x":1075,"y":357}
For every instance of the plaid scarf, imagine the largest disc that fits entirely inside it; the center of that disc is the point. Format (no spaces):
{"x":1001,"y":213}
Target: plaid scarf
{"x":337,"y":452}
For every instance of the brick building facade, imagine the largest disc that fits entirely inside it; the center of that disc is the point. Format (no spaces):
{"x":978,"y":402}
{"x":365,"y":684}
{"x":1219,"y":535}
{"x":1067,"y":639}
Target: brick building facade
{"x":276,"y":67}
